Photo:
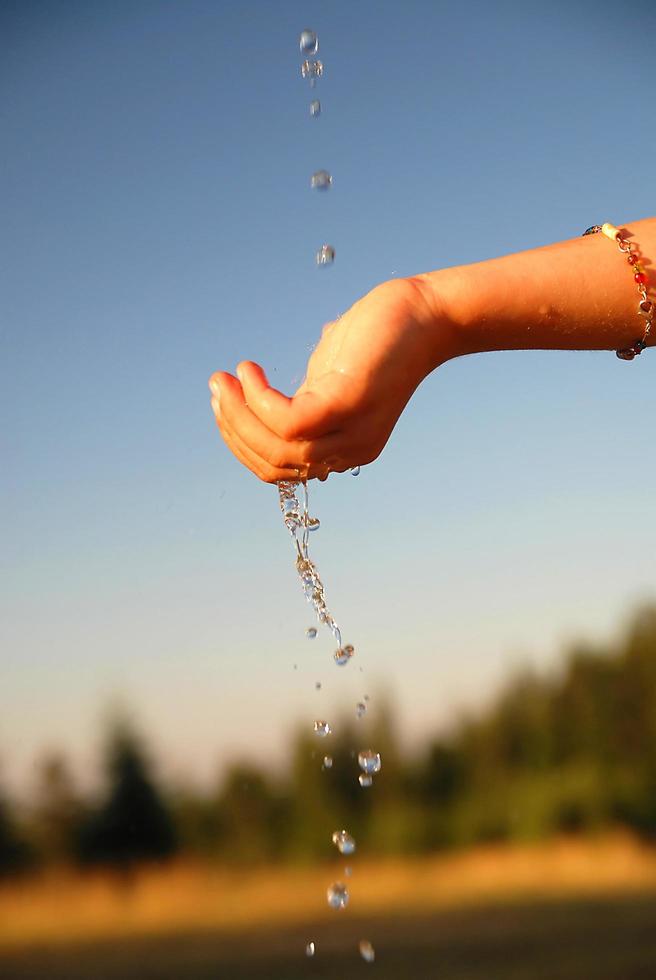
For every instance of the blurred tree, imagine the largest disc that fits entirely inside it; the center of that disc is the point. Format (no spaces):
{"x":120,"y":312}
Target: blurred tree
{"x":16,"y":854}
{"x":58,"y":811}
{"x":198,"y":822}
{"x":250,"y":816}
{"x":134,"y":824}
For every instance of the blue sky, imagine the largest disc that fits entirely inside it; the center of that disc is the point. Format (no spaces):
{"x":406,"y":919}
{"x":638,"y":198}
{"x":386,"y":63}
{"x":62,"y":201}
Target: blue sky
{"x":157,"y":224}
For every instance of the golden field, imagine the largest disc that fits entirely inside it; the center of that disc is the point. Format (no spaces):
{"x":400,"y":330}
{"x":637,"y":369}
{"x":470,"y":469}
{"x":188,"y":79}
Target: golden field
{"x":63,"y":907}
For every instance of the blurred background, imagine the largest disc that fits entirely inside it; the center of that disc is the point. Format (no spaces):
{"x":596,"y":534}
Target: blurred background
{"x":163,"y":806}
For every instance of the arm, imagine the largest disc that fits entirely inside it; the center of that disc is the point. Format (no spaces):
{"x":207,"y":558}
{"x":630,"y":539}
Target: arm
{"x":574,"y":295}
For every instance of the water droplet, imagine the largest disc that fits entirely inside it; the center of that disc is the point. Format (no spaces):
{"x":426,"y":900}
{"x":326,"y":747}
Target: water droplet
{"x":326,"y":255}
{"x":311,"y":633}
{"x":312,"y":70}
{"x":310,"y":949}
{"x":317,"y":685}
{"x":369,"y":761}
{"x":322,"y":728}
{"x":366,"y":697}
{"x":343,"y":655}
{"x":367,"y":952}
{"x":295,"y":666}
{"x":355,"y":471}
{"x":315,"y":108}
{"x":365,"y":780}
{"x":313,"y":523}
{"x":308,"y":42}
{"x":343,"y":841}
{"x":337,"y":895}
{"x":360,"y":709}
{"x":348,"y":870}
{"x":321,"y":180}
{"x":327,"y":762}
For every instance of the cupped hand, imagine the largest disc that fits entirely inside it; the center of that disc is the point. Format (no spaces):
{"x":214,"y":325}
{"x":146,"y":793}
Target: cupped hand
{"x":359,"y":379}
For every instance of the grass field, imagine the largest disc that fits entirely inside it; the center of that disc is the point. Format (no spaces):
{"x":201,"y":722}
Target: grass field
{"x":562,"y":911}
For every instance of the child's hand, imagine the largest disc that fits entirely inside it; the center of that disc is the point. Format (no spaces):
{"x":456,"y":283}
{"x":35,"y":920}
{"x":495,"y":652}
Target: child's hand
{"x":359,"y":379}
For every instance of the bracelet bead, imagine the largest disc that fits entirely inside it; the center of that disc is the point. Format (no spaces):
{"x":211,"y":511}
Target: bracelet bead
{"x":645,"y":306}
{"x":610,"y":231}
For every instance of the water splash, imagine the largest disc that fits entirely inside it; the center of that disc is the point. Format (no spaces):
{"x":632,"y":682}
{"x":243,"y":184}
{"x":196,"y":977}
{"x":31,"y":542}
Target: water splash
{"x":344,"y":654}
{"x":367,"y":952}
{"x":369,"y":761}
{"x":312,"y":69}
{"x":337,"y":895}
{"x":325,"y":255}
{"x":308,"y":42}
{"x":344,"y":842}
{"x":299,"y":524}
{"x":321,"y":180}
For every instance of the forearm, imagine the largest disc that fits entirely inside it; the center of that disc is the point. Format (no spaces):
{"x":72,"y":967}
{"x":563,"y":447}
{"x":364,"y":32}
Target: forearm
{"x":574,"y":295}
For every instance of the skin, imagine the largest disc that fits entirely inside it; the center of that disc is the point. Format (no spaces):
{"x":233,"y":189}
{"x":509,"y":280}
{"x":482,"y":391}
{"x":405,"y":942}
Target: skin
{"x":574,"y":295}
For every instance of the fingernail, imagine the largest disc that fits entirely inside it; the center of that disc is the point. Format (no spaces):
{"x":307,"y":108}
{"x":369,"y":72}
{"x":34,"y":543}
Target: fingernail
{"x":216,"y":405}
{"x":214,"y":386}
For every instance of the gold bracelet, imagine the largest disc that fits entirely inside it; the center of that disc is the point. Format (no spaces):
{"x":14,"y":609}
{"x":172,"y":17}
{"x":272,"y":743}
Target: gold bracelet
{"x":645,"y":306}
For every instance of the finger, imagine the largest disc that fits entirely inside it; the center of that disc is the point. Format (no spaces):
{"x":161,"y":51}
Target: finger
{"x":261,"y":440}
{"x":307,"y":415}
{"x":263,"y":470}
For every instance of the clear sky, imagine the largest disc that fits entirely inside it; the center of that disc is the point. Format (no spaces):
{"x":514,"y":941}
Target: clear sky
{"x":156,"y":224}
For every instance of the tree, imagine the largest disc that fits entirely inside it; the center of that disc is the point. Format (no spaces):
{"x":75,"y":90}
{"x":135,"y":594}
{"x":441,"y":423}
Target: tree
{"x":58,"y":811}
{"x":133,"y":824}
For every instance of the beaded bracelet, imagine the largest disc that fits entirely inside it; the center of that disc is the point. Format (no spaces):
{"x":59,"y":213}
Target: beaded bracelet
{"x":645,"y":306}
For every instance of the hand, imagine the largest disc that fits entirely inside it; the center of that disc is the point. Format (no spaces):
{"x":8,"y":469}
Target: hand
{"x":359,"y":379}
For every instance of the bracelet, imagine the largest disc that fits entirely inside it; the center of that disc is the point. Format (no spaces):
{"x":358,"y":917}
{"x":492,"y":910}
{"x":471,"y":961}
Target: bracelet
{"x":645,"y":306}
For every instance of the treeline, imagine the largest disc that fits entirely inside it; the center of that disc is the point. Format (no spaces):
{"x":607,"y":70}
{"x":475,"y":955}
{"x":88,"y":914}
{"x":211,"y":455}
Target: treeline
{"x":573,"y":750}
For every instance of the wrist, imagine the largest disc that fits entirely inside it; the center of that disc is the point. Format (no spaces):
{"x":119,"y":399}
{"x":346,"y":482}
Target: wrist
{"x":448,"y":297}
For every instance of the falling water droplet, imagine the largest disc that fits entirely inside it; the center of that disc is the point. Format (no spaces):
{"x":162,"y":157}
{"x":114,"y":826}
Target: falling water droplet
{"x":309,"y":949}
{"x":327,"y":762}
{"x":312,"y":70}
{"x":337,"y":895}
{"x":360,"y":709}
{"x":322,"y":728}
{"x":348,"y":870}
{"x":369,"y":761}
{"x":344,"y":654}
{"x":317,"y":685}
{"x":366,"y":697}
{"x":343,"y":841}
{"x":367,"y":952}
{"x":365,"y":780}
{"x":355,"y":471}
{"x":321,"y":180}
{"x":326,"y":255}
{"x":315,"y":108}
{"x":311,"y":633}
{"x":308,"y":42}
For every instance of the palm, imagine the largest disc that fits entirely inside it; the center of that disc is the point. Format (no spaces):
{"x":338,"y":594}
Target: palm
{"x":359,"y":378}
